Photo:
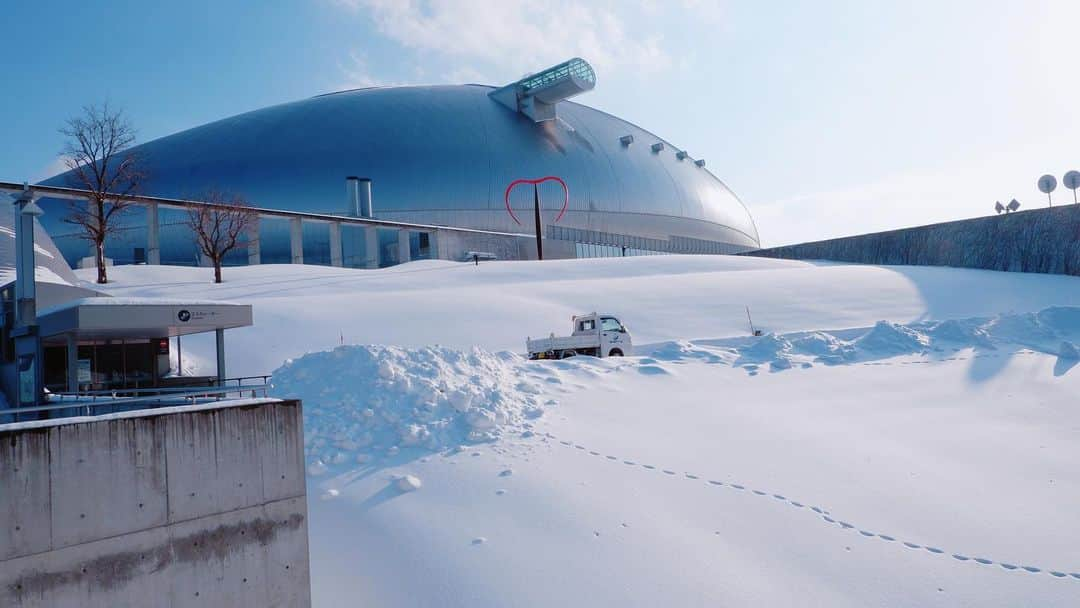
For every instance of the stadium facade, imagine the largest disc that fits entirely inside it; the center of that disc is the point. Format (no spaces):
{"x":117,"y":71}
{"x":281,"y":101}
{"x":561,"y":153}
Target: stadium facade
{"x":441,"y":155}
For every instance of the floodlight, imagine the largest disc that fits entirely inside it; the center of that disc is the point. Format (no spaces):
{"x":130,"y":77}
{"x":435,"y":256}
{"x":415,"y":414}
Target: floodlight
{"x":1047,"y":184}
{"x":1014,"y":205}
{"x":999,"y":207}
{"x":1072,"y":182}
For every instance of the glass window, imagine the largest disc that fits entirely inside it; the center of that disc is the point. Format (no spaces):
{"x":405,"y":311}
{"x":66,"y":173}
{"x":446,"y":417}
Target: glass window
{"x":589,"y":325}
{"x":610,"y":324}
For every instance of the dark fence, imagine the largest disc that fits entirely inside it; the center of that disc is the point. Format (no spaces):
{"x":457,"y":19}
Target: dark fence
{"x":1039,"y":240}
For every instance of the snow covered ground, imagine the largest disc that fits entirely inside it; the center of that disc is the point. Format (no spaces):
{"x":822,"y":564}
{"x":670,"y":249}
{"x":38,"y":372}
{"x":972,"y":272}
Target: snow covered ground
{"x":836,"y":461}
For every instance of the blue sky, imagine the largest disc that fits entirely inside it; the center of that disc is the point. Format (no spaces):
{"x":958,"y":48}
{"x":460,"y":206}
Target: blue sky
{"x":826,"y":118}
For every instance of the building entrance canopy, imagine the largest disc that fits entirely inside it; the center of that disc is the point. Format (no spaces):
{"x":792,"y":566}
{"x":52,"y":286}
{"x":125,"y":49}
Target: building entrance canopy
{"x":107,"y":318}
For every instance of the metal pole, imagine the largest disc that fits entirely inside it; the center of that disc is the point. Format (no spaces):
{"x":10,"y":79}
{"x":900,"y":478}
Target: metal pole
{"x":179,"y":358}
{"x":72,"y":363}
{"x":536,"y":218}
{"x":220,"y":339}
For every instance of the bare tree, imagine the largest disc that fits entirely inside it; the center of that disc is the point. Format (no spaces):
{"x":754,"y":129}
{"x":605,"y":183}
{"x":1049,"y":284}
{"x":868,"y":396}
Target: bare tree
{"x":220,"y":225}
{"x":96,"y":153}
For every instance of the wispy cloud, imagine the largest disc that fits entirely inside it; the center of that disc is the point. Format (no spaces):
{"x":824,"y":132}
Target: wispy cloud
{"x":356,"y":73}
{"x":494,"y":40}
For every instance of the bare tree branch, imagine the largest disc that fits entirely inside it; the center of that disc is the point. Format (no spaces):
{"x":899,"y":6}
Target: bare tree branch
{"x":97,"y":141}
{"x":220,"y":226}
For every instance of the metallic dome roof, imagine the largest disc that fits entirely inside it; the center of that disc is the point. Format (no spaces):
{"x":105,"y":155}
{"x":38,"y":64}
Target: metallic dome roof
{"x":445,"y":155}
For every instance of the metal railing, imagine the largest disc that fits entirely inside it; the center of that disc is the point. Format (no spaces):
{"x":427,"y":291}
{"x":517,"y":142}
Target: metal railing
{"x":85,"y":403}
{"x":176,"y":203}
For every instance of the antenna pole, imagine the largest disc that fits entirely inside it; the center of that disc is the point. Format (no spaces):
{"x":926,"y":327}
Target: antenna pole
{"x":536,"y":217}
{"x":752,"y":332}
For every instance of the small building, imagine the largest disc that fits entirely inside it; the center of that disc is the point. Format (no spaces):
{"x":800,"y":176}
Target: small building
{"x":91,"y":342}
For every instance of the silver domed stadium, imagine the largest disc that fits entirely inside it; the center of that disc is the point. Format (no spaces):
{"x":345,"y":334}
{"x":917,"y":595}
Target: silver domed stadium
{"x":446,"y":156}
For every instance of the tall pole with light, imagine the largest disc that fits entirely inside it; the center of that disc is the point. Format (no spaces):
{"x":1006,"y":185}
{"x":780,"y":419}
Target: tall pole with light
{"x":1047,"y":184}
{"x":1072,"y":182}
{"x":25,"y":333}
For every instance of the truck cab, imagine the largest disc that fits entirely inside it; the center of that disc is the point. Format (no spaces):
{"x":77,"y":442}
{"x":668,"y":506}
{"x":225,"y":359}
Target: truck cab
{"x":595,"y":334}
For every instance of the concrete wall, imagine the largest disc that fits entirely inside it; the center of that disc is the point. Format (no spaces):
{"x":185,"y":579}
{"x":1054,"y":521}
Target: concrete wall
{"x":192,"y":506}
{"x":1039,"y":240}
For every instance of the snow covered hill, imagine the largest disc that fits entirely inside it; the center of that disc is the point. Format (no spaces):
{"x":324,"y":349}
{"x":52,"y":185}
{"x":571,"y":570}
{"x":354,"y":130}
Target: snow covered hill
{"x":496,"y":306}
{"x":901,"y":436}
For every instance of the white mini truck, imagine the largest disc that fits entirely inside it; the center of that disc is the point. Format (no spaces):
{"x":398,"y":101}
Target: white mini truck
{"x":595,"y":334}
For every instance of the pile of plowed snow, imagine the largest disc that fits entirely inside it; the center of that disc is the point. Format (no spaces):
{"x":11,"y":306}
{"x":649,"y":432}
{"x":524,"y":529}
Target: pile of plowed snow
{"x":377,"y":400}
{"x":1053,"y":331}
{"x":373,"y":402}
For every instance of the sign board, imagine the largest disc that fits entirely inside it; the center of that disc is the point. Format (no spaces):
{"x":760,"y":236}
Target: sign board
{"x":84,"y":375}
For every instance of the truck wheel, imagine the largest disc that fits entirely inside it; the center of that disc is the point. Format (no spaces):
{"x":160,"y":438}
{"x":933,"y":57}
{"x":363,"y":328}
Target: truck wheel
{"x":566,"y":354}
{"x":615,"y":353}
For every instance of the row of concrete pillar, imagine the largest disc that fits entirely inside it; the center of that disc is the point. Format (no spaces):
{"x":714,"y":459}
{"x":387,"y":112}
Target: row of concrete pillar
{"x":296,"y":242}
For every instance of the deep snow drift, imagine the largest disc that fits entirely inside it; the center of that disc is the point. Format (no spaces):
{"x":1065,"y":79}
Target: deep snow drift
{"x":496,"y":306}
{"x":383,"y":399}
{"x":899,"y":436}
{"x":386,"y":399}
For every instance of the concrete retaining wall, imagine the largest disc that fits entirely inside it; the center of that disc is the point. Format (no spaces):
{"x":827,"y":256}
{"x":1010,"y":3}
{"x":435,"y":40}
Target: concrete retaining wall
{"x":196,"y":506}
{"x":1040,"y":240}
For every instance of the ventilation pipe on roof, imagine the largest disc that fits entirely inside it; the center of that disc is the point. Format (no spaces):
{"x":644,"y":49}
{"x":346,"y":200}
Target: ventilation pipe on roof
{"x":358,"y":197}
{"x":352,"y":196}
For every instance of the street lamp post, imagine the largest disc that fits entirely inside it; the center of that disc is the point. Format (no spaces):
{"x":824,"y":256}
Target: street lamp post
{"x":25,"y":332}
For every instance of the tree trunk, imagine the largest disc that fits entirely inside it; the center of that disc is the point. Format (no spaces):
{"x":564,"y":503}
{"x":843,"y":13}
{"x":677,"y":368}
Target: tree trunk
{"x":99,"y":255}
{"x":217,"y":270}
